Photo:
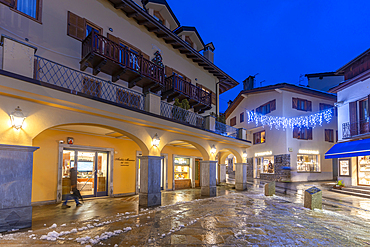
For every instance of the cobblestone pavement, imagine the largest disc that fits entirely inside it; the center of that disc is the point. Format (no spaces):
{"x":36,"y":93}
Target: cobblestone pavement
{"x":231,"y":219}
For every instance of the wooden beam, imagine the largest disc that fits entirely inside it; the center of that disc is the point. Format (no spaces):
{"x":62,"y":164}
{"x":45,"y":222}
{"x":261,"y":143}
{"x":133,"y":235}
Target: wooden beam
{"x":132,"y":83}
{"x":171,"y":41}
{"x":119,"y":5}
{"x":117,"y":74}
{"x":152,"y":29}
{"x":202,"y":64}
{"x":142,"y":22}
{"x":131,"y":14}
{"x":191,"y":55}
{"x":177,"y":46}
{"x":185,"y":52}
{"x":162,"y":35}
{"x":98,"y":67}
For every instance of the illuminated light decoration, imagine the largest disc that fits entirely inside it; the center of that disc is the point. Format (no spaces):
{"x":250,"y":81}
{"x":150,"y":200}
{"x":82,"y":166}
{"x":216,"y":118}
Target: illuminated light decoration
{"x":245,"y":155}
{"x":213,"y":149}
{"x":303,"y":151}
{"x":181,"y":161}
{"x":311,"y":120}
{"x":156,"y":140}
{"x":17,"y":118}
{"x":263,"y":153}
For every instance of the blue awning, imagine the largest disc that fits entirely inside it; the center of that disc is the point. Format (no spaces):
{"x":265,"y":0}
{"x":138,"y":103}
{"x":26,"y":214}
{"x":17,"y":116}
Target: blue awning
{"x":349,"y":149}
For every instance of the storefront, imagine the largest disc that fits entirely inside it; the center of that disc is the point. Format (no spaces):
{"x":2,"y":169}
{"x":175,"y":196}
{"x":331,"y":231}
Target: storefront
{"x":92,"y":171}
{"x":308,"y":161}
{"x":354,"y":162}
{"x":264,"y":164}
{"x":182,"y":172}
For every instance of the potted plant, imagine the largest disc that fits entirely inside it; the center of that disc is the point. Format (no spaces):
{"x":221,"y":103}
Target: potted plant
{"x":339,"y":185}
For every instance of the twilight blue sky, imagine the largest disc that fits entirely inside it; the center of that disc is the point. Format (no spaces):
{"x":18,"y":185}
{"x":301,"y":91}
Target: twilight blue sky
{"x":279,"y":39}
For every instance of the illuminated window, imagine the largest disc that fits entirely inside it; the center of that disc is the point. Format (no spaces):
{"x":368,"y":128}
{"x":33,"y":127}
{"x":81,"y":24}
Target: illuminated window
{"x":259,"y":137}
{"x":308,"y":163}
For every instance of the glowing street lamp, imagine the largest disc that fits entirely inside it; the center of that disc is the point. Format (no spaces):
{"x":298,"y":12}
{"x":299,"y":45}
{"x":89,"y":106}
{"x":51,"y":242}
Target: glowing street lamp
{"x":17,"y":117}
{"x":156,"y":140}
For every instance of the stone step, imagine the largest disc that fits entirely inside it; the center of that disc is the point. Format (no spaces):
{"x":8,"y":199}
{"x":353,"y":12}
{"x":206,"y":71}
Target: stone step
{"x":351,"y":193}
{"x":356,"y":190}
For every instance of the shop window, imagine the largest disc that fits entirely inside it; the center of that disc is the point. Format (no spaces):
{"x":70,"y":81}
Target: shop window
{"x":344,"y":166}
{"x":308,"y":163}
{"x":364,"y":170}
{"x":259,"y":137}
{"x":266,"y":165}
{"x":267,"y":108}
{"x":242,"y":117}
{"x":79,"y":28}
{"x":301,"y":104}
{"x":329,"y":135}
{"x":29,"y":8}
{"x":233,"y":121}
{"x":302,"y":133}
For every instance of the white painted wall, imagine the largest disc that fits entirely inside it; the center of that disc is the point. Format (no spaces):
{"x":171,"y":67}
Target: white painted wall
{"x":278,"y":141}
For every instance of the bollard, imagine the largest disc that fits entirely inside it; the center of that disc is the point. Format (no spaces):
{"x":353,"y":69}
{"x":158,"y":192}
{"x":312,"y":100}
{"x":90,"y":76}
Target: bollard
{"x":313,"y":198}
{"x":270,"y":189}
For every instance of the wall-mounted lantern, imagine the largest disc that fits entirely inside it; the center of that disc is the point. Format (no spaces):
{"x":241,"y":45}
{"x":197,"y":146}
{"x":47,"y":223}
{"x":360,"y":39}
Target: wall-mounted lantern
{"x":213,"y":149}
{"x":17,"y":117}
{"x":156,"y":140}
{"x":245,"y":155}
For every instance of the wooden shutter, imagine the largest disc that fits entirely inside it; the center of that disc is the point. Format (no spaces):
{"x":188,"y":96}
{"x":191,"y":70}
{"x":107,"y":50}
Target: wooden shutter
{"x":336,"y":136}
{"x":308,"y":105}
{"x":353,"y":118}
{"x":295,"y":132}
{"x":327,"y":135}
{"x":10,"y":3}
{"x":368,"y":105}
{"x":309,"y":133}
{"x":273,"y":105}
{"x":213,"y":98}
{"x":233,"y":121}
{"x":145,"y":56}
{"x":168,"y":71}
{"x":295,"y":103}
{"x":76,"y":26}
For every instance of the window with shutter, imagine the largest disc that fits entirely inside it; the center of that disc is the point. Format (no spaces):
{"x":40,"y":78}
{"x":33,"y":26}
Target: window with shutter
{"x":294,"y":103}
{"x":302,"y":133}
{"x":76,"y":26}
{"x":329,"y":135}
{"x":309,"y":133}
{"x":308,"y":105}
{"x":233,"y":121}
{"x":301,"y":104}
{"x":242,"y":117}
{"x":267,"y":108}
{"x":29,"y":8}
{"x":259,"y":137}
{"x":353,"y":118}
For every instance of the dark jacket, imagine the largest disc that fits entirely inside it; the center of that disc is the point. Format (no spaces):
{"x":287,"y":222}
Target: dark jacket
{"x":73,"y":176}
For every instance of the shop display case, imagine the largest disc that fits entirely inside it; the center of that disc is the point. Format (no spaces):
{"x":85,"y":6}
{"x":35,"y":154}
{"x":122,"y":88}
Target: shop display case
{"x":364,"y":170}
{"x":307,"y":163}
{"x":344,"y":167}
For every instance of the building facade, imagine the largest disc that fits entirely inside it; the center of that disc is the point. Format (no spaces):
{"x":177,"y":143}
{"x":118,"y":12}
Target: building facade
{"x":274,"y":148}
{"x":124,"y":96}
{"x":324,"y":81}
{"x":353,"y":123}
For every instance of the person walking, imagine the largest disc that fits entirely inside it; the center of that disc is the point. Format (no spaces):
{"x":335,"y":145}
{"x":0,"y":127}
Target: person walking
{"x":74,"y":195}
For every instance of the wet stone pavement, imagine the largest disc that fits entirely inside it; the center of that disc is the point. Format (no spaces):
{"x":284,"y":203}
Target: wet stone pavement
{"x":185,"y":219}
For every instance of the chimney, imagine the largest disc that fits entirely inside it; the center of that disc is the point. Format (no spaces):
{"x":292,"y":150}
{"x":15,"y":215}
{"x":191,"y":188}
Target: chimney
{"x":208,"y":52}
{"x":248,"y":83}
{"x":229,"y":103}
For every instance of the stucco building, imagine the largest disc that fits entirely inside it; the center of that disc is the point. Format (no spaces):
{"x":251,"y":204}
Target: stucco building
{"x":91,"y":85}
{"x":275,"y":149}
{"x":353,"y":123}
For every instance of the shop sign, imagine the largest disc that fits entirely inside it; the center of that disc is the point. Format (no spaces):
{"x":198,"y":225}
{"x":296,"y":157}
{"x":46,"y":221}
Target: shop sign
{"x":303,"y":151}
{"x":124,"y":161}
{"x":182,"y":161}
{"x":263,"y":153}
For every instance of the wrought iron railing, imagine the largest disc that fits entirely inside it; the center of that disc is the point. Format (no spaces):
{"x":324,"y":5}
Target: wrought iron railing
{"x":355,"y":128}
{"x":226,"y":130}
{"x":178,"y":84}
{"x":122,"y":55}
{"x":76,"y":82}
{"x":181,"y":115}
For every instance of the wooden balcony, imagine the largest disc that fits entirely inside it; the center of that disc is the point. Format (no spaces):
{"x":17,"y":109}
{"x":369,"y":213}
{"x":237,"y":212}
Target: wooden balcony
{"x":104,"y":55}
{"x":176,"y":87}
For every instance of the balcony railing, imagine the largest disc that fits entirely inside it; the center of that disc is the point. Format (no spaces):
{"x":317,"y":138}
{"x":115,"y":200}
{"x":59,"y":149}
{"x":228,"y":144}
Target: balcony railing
{"x":357,"y":128}
{"x":226,"y":130}
{"x":181,"y":115}
{"x":118,"y":60}
{"x":77,"y":82}
{"x":60,"y":77}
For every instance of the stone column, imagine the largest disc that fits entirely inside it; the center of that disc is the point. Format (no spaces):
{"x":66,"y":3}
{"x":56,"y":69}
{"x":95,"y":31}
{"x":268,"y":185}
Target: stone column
{"x":240,"y":176}
{"x":222,"y":173}
{"x":208,"y":178}
{"x":150,"y":181}
{"x":16,"y":164}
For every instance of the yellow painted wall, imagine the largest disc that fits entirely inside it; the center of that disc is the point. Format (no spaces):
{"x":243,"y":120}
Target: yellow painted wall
{"x":45,"y":163}
{"x":170,"y":151}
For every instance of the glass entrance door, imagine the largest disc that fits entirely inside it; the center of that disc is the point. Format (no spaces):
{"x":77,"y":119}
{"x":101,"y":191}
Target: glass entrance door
{"x":92,"y":172}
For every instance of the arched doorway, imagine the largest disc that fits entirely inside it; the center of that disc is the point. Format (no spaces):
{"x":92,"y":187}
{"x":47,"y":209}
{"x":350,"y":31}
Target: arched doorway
{"x":104,"y":158}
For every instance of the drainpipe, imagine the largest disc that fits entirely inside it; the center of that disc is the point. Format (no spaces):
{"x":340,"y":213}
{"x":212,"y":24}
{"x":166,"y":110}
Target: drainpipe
{"x":218,"y":98}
